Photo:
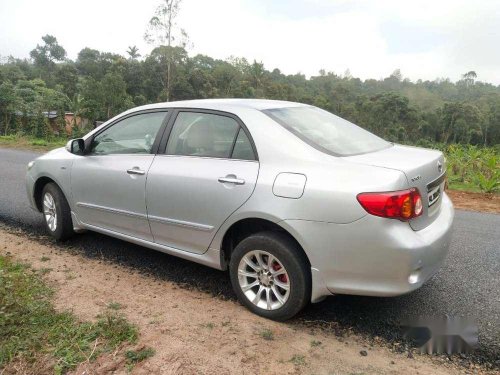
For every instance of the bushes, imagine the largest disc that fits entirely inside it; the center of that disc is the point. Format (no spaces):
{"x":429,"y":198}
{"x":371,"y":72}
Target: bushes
{"x":473,"y":168}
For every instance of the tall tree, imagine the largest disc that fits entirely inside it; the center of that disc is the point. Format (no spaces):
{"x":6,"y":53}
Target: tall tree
{"x":162,"y":29}
{"x":469,"y":78}
{"x":48,"y":53}
{"x":133,"y":52}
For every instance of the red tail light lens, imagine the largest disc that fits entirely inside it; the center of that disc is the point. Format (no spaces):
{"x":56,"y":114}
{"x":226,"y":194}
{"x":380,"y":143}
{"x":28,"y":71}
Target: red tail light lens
{"x":402,"y":205}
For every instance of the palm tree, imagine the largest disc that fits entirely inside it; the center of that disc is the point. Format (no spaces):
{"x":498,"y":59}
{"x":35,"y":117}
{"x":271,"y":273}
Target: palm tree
{"x":133,"y":52}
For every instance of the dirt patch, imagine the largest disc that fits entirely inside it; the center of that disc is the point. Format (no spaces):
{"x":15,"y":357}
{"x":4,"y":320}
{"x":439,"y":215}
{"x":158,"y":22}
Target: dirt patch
{"x":194,"y":333}
{"x":480,"y":202}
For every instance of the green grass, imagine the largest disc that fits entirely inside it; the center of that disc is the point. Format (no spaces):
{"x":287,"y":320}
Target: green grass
{"x":315,"y":343}
{"x":298,"y":360}
{"x":114,"y":306}
{"x":31,"y":330}
{"x":136,"y":356}
{"x":25,"y":142}
{"x":267,"y":334}
{"x":209,"y":325}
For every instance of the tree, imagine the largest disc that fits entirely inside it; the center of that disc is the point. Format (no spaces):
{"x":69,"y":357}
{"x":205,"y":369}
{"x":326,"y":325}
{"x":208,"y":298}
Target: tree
{"x":162,"y":30}
{"x":49,"y":53}
{"x":461,"y":120}
{"x":45,"y":56}
{"x":133,"y":52}
{"x":8,"y":105}
{"x":105,"y":98}
{"x":469,"y":78}
{"x":67,"y":77}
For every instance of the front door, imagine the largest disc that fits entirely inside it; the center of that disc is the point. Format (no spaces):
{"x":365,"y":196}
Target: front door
{"x":108,"y":183}
{"x":209,"y":169}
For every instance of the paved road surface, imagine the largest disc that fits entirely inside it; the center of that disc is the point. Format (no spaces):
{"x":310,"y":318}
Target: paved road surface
{"x":468,"y":285}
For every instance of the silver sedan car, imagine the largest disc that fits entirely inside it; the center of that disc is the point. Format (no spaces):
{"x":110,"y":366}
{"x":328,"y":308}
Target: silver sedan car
{"x":297,"y":203}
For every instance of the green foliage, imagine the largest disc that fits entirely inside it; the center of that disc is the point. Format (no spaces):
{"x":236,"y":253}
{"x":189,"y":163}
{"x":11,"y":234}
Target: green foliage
{"x":298,"y":360}
{"x":30,"y":328}
{"x":472,"y":168}
{"x":315,"y":343}
{"x":267,"y":334}
{"x":136,"y":356}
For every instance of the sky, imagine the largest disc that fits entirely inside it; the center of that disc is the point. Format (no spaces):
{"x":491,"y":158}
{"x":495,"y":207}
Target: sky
{"x":425,"y":39}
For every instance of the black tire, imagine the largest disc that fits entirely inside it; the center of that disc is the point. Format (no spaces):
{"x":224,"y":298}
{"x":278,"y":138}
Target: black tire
{"x":293,"y":259}
{"x":64,"y":222}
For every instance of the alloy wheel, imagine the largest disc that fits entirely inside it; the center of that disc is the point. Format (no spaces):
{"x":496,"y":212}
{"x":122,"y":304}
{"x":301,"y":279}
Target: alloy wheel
{"x":49,"y":211}
{"x":263,"y":279}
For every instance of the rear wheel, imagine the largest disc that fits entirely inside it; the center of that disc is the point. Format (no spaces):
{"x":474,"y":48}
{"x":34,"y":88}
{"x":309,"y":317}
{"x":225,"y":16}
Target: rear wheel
{"x":271,"y":275}
{"x":56,"y":212}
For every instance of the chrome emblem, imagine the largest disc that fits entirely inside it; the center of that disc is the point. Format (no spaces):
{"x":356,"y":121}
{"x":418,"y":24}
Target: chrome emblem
{"x":440,"y":166}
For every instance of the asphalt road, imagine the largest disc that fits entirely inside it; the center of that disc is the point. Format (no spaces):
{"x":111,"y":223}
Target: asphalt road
{"x":468,"y":285}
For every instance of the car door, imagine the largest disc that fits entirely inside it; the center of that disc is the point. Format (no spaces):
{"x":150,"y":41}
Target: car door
{"x":108,"y":182}
{"x":208,"y":170}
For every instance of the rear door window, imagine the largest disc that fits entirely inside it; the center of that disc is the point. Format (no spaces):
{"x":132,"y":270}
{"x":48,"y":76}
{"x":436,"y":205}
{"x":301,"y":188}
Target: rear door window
{"x":202,"y":134}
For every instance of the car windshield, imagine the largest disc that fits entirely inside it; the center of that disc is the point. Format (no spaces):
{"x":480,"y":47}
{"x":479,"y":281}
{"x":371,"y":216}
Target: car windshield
{"x":327,"y":132}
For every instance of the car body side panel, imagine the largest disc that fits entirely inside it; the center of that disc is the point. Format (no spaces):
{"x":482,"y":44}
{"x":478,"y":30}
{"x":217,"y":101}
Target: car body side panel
{"x":55,"y":165}
{"x":186,"y":202}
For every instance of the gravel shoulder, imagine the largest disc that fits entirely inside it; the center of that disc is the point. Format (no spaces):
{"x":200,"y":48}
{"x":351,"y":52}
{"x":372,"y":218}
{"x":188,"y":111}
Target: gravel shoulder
{"x":193,"y":332}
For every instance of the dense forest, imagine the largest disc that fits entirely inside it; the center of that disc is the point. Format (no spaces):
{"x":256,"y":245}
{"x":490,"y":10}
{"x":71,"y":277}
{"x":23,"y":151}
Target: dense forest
{"x":99,"y":85}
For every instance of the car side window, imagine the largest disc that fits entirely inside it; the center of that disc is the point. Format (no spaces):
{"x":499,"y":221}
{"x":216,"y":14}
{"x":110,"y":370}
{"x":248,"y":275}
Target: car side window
{"x":243,"y":148}
{"x":133,"y":135}
{"x":202,"y":134}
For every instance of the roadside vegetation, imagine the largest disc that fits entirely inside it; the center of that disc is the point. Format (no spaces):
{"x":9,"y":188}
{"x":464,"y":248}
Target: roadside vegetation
{"x":33,"y":335}
{"x":469,"y":167}
{"x":472,"y":168}
{"x":32,"y":143}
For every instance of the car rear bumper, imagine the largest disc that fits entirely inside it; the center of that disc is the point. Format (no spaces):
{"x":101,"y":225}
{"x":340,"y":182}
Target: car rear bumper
{"x":373,"y":256}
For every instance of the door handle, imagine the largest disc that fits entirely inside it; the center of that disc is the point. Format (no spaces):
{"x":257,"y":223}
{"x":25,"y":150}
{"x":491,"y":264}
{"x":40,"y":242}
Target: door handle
{"x":136,"y":170}
{"x":231,"y":180}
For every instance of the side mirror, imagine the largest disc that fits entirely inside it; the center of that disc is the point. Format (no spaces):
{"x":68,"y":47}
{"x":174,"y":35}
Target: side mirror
{"x":76,"y":146}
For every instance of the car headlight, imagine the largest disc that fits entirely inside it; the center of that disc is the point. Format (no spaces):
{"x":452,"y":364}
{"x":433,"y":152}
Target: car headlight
{"x":30,"y":165}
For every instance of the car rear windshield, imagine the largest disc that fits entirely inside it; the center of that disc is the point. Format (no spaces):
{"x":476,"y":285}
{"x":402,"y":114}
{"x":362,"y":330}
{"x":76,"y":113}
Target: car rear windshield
{"x":327,"y":132}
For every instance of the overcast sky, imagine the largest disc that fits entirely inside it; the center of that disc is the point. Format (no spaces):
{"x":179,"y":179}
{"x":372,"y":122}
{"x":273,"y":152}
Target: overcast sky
{"x":424,"y":38}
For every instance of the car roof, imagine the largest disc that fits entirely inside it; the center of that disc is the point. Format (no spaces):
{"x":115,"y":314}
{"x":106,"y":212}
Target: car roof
{"x":224,"y":104}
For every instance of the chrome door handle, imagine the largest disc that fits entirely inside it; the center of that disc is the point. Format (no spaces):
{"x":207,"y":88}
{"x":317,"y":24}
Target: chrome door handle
{"x":231,"y":180}
{"x":136,"y":171}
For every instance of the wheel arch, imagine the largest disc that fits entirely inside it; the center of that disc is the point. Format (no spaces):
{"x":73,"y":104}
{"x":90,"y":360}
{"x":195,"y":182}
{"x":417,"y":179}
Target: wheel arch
{"x":245,"y":227}
{"x":40,"y":183}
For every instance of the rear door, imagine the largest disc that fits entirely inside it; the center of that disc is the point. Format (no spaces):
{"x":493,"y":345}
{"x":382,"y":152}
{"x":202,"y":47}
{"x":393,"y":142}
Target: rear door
{"x":208,"y":170}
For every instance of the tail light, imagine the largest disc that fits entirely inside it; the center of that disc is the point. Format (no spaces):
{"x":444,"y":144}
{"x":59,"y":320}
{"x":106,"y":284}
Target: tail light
{"x":402,"y":205}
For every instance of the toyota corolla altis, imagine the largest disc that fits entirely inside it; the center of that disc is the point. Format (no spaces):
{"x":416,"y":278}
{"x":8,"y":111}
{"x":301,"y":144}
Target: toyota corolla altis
{"x":297,"y":203}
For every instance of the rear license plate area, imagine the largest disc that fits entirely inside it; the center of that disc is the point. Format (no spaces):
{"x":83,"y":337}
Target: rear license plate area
{"x":433,"y":195}
{"x":434,"y":189}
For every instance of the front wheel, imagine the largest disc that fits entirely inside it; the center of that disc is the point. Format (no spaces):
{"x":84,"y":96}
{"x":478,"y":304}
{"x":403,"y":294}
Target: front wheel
{"x":56,"y":212}
{"x":271,"y":275}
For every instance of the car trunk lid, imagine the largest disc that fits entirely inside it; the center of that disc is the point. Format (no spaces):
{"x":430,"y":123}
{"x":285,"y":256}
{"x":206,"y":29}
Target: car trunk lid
{"x":424,"y":169}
